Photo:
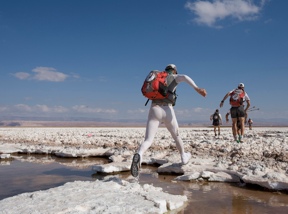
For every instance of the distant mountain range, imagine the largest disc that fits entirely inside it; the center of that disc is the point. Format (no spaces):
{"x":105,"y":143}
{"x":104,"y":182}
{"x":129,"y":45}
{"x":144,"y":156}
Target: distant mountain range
{"x":83,"y":121}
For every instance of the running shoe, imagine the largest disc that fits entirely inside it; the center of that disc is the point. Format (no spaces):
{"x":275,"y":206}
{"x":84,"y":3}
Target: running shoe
{"x":240,"y":140}
{"x":185,"y":158}
{"x":135,"y":166}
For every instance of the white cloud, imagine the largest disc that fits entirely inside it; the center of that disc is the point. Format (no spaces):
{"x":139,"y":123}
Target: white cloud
{"x":3,"y":108}
{"x":39,"y":109}
{"x":52,"y":110}
{"x":43,"y":74}
{"x":43,"y":108}
{"x":60,"y":109}
{"x":210,"y":12}
{"x":86,"y":109}
{"x":23,"y":108}
{"x":198,"y":109}
{"x":137,"y":111}
{"x":22,"y":75}
{"x":190,"y":111}
{"x":48,"y":74}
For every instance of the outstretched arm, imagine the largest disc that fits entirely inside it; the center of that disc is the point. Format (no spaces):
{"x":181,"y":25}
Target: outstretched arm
{"x":188,"y":80}
{"x":225,"y":97}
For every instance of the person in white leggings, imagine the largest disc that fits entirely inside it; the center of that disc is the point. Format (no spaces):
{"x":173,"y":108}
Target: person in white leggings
{"x":162,"y":111}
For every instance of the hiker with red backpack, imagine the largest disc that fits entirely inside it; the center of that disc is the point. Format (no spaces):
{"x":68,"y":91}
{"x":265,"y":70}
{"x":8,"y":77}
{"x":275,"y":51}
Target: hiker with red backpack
{"x":160,"y":87}
{"x":237,"y":98}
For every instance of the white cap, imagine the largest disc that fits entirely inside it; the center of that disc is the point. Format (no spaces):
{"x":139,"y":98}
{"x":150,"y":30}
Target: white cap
{"x":241,"y":85}
{"x":171,"y":66}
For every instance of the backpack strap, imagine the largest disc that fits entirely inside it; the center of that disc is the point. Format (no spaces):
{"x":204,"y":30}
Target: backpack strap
{"x":146,"y":102}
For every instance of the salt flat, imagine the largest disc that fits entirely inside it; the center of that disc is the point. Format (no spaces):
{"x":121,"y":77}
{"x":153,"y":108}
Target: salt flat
{"x":262,"y":158}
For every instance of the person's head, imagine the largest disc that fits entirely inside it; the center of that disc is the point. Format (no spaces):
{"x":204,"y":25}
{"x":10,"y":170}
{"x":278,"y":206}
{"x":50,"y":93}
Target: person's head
{"x":241,"y":85}
{"x":171,"y":69}
{"x":217,"y":111}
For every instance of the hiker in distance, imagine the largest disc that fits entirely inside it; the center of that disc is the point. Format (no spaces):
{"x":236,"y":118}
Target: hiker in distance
{"x":250,"y":122}
{"x":237,"y":98}
{"x":162,"y":111}
{"x":216,"y":121}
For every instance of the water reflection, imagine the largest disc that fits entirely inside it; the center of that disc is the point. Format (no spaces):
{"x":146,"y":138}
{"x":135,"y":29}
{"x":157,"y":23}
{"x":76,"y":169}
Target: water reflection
{"x":27,"y":173}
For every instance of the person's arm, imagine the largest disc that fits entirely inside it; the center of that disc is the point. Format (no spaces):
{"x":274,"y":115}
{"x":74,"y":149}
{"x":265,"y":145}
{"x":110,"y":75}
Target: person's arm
{"x":184,"y":78}
{"x":246,"y":116}
{"x":247,"y":99}
{"x":247,"y":106}
{"x":224,"y":98}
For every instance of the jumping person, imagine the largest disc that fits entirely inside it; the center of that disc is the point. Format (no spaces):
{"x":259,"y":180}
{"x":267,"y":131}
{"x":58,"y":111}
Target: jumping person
{"x":216,"y":121}
{"x":162,"y":111}
{"x":237,"y":98}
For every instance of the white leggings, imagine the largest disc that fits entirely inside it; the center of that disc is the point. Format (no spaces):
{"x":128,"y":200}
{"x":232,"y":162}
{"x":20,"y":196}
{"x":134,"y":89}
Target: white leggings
{"x":157,"y":115}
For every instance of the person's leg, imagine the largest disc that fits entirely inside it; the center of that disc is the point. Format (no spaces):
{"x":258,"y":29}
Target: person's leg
{"x":242,"y":121}
{"x":215,"y":130}
{"x":172,"y":126}
{"x":154,"y":118}
{"x":234,"y":128}
{"x":238,"y":127}
{"x":233,"y":112}
{"x":151,"y":129}
{"x":241,"y":115}
{"x":218,"y":129}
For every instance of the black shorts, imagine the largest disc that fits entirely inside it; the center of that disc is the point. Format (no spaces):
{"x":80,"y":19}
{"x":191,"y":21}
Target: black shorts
{"x":215,"y":123}
{"x":237,"y":112}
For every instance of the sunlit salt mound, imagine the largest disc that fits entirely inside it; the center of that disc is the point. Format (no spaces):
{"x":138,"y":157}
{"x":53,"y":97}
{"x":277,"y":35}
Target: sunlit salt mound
{"x":109,"y":196}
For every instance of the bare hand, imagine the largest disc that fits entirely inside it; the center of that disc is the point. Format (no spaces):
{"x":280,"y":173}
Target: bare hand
{"x":202,"y":91}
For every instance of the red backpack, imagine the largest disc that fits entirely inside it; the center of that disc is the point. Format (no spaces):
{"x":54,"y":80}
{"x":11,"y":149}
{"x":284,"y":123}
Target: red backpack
{"x":155,"y":85}
{"x":237,"y":97}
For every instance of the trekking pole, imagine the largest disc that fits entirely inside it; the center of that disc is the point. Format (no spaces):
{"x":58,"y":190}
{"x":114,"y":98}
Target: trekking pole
{"x":253,"y":109}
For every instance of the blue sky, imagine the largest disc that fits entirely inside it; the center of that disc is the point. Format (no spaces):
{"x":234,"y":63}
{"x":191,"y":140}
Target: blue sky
{"x":61,"y":58}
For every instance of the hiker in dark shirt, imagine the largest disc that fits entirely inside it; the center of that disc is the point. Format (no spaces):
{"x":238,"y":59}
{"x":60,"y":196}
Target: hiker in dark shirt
{"x":216,"y":121}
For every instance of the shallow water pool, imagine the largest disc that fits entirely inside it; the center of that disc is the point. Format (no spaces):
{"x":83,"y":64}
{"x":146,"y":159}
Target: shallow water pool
{"x":28,"y":173}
